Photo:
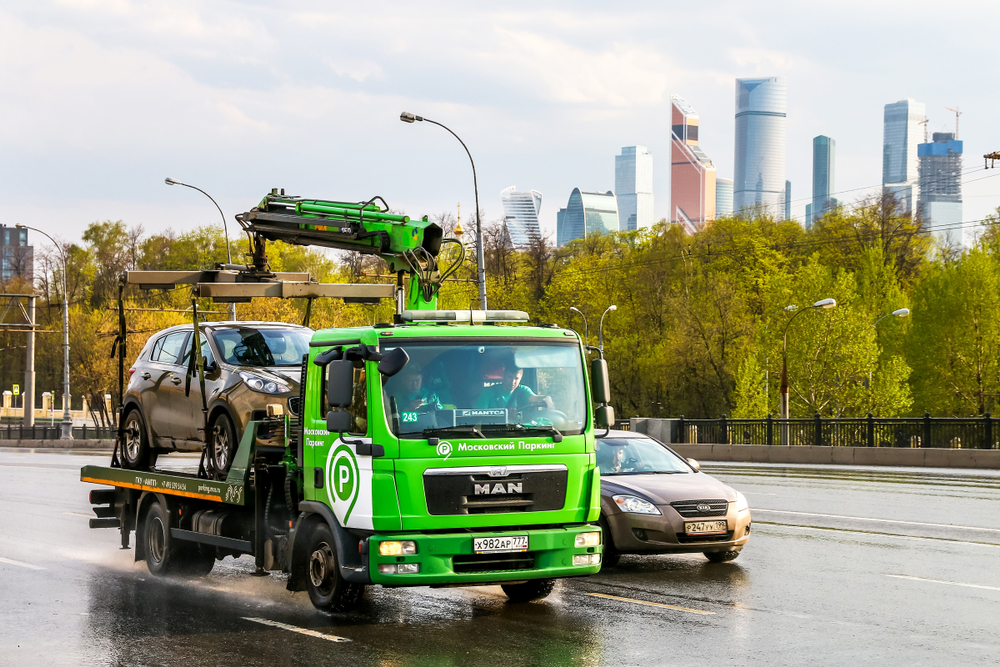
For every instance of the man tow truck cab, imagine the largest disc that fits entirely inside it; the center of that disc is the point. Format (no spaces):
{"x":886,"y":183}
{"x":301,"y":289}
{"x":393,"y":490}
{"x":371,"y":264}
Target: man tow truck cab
{"x":447,"y":448}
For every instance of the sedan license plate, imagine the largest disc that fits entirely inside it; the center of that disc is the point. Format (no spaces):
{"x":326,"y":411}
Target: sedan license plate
{"x":706,"y":528}
{"x":500,"y":545}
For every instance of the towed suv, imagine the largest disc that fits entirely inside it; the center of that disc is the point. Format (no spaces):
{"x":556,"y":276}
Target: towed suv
{"x":248,"y":365}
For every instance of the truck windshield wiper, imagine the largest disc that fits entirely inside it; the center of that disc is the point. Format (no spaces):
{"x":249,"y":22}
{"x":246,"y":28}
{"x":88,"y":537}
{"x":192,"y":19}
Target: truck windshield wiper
{"x":557,"y":435}
{"x":460,"y":428}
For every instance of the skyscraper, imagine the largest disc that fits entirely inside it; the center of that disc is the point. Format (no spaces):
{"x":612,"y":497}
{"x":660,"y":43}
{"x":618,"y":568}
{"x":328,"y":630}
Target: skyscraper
{"x":634,"y":187}
{"x":723,"y":197}
{"x":520,"y":215}
{"x":586,"y":213}
{"x":788,"y":200}
{"x":760,"y":144}
{"x":940,"y":169}
{"x":824,"y":153}
{"x":16,"y":256}
{"x":901,"y":135}
{"x":692,"y":174}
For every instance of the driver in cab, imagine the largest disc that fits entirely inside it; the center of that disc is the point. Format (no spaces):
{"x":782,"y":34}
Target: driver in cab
{"x":414,"y":397}
{"x":510,"y":393}
{"x":611,"y":459}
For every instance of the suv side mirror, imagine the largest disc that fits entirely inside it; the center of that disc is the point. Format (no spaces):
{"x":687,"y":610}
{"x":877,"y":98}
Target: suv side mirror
{"x":393,"y":362}
{"x":340,"y":384}
{"x":604,"y":417}
{"x":211,"y":366}
{"x":599,"y":382}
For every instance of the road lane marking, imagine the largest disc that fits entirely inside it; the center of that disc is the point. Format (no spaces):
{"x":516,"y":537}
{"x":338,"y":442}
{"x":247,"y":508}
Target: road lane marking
{"x":20,"y":564}
{"x":938,"y":581}
{"x":652,"y":604}
{"x":865,"y":518}
{"x":301,"y":631}
{"x":876,"y":533}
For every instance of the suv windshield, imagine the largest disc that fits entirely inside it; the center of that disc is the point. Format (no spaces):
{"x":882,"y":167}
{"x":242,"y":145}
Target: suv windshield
{"x":487,"y":389}
{"x":262,"y":347}
{"x":634,"y":456}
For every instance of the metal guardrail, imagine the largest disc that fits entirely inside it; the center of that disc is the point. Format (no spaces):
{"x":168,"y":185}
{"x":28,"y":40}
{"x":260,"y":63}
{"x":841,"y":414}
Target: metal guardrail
{"x":926,"y":431}
{"x":53,"y":432}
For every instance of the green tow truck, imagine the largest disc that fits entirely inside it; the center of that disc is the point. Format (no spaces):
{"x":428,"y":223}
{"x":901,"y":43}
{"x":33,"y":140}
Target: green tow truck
{"x":445,"y":448}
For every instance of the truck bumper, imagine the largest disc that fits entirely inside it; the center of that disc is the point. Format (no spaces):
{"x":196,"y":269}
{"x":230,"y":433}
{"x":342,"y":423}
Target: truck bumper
{"x":448,"y":558}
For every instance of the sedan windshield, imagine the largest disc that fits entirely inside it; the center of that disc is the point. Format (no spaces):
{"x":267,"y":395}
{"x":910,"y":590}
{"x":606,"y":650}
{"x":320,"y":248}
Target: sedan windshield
{"x":262,"y":347}
{"x":634,"y":456}
{"x":487,"y":389}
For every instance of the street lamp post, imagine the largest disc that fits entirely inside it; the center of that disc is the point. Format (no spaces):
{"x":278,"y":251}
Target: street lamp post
{"x":225,"y":228}
{"x":408,"y":117}
{"x":67,"y":423}
{"x":901,"y":312}
{"x":825,"y":304}
{"x":600,"y":334}
{"x":586,"y":327}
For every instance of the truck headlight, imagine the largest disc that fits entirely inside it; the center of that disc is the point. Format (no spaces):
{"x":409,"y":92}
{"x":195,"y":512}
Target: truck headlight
{"x":397,"y":548}
{"x":263,"y":386}
{"x":635,"y":505}
{"x":399,"y":568}
{"x":588,"y":540}
{"x":741,"y":503}
{"x":587,"y":559}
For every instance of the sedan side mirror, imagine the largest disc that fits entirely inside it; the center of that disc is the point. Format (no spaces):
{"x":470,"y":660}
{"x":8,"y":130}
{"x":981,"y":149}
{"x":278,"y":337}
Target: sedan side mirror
{"x":694,"y":464}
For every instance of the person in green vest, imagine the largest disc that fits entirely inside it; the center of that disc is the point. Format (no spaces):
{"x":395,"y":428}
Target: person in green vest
{"x":510,"y":393}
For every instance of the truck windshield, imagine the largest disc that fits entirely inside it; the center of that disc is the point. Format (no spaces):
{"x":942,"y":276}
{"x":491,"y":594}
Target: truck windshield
{"x":487,"y":389}
{"x":247,"y":346}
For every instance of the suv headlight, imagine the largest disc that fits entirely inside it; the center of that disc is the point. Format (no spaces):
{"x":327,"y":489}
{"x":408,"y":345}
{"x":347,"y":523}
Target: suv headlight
{"x":263,"y":386}
{"x":635,"y":505}
{"x":741,"y":503}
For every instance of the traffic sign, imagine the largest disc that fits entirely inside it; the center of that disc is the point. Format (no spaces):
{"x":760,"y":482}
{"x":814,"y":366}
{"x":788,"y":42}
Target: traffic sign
{"x":17,"y":390}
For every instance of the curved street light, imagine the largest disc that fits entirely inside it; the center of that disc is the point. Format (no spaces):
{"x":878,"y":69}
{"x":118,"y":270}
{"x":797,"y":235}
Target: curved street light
{"x":586,"y":328}
{"x":408,"y":117}
{"x":824,"y":304}
{"x":901,"y":312}
{"x":67,"y":422}
{"x":225,"y":228}
{"x":600,"y":340}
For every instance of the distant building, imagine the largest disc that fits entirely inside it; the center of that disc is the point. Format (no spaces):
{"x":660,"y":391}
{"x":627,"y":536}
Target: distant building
{"x":692,"y":174}
{"x":634,"y":187}
{"x":520,"y":216}
{"x":824,"y":153}
{"x":788,"y":200}
{"x":901,"y":135}
{"x":723,"y":197}
{"x":17,"y":258}
{"x":586,"y":213}
{"x":760,"y":144}
{"x":940,"y":197}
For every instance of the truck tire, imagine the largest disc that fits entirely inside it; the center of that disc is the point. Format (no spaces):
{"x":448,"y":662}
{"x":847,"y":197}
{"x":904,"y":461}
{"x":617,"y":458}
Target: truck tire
{"x":527,"y":591}
{"x":135,"y":442}
{"x":328,"y":591}
{"x":223,"y":444}
{"x":166,"y":556}
{"x":721,"y":556}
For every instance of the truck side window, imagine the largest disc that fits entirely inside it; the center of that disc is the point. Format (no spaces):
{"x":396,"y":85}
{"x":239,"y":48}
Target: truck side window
{"x":359,"y":402}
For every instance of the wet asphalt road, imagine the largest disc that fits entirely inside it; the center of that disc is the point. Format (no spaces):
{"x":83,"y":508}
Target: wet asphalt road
{"x":845,"y":565}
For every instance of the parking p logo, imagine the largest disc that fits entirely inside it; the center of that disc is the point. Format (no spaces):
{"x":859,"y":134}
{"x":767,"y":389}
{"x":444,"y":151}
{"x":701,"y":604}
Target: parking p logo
{"x":342,"y":481}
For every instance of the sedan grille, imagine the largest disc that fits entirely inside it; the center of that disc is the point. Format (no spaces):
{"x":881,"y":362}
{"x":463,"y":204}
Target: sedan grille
{"x":690,"y":509}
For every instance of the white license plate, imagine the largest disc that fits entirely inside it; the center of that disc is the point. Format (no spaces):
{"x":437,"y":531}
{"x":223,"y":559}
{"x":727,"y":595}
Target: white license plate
{"x":500,"y":545}
{"x":706,"y":528}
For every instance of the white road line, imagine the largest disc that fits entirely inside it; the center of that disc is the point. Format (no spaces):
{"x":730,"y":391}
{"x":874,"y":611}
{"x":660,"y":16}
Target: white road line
{"x":652,"y":604}
{"x":865,"y":518}
{"x":301,"y":631}
{"x":20,"y":564}
{"x":938,"y":581}
{"x":871,"y":533}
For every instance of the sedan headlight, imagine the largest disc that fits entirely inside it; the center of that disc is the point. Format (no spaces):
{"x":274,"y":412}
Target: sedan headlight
{"x":635,"y":505}
{"x":741,"y":503}
{"x":264,"y":386}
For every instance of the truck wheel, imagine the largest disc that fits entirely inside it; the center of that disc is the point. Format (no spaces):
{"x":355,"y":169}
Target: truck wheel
{"x":223,"y":444}
{"x":610,"y":556}
{"x":162,"y":554}
{"x":527,"y":591}
{"x":328,"y":591}
{"x":721,"y":556}
{"x":135,"y":442}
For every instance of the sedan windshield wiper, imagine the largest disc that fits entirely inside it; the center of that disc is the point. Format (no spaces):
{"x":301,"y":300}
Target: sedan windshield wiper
{"x":460,"y":428}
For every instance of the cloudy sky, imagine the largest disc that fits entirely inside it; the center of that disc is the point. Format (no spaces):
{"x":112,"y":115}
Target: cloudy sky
{"x":101,"y":99}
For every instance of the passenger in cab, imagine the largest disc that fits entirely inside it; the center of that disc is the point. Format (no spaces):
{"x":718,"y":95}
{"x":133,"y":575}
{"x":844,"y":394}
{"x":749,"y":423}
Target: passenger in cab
{"x":510,"y":393}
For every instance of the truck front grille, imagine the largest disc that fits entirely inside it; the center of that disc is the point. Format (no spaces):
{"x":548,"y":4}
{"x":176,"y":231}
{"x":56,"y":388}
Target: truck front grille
{"x":689,"y":508}
{"x":493,"y":562}
{"x":495,"y":490}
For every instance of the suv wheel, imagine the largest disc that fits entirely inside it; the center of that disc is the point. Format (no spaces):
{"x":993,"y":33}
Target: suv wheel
{"x":223,"y":444}
{"x":135,"y":442}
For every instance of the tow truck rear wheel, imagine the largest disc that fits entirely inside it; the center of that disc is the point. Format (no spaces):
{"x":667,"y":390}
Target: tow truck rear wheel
{"x":536,"y":589}
{"x":328,"y":591}
{"x":135,"y":443}
{"x":166,"y":556}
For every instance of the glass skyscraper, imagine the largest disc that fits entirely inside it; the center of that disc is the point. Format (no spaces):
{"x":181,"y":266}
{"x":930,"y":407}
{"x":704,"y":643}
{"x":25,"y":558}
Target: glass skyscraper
{"x":634,"y":187}
{"x":940,"y":200}
{"x":723,"y":197}
{"x":824,"y":156}
{"x":17,"y":259}
{"x":692,"y":174}
{"x":901,"y":135}
{"x":586,"y":213}
{"x":760,"y":144}
{"x":520,"y":216}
